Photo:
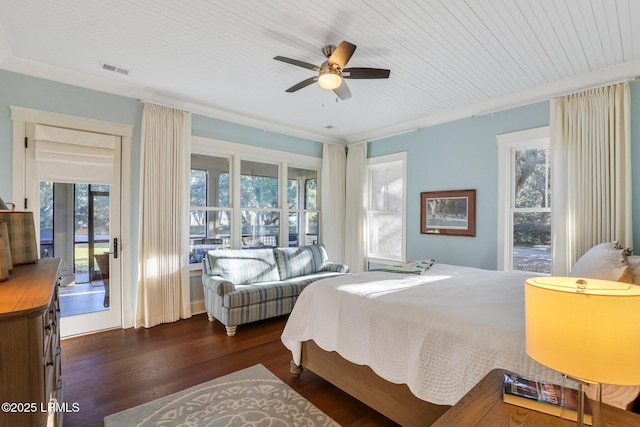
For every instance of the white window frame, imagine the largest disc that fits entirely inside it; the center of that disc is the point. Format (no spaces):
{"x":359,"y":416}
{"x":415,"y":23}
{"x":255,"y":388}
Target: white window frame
{"x":508,"y":143}
{"x":385,"y":162}
{"x":238,"y":152}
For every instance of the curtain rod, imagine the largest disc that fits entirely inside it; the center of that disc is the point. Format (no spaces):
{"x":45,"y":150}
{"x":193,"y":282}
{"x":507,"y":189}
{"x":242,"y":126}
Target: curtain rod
{"x":611,"y":83}
{"x":555,"y":96}
{"x":146,"y":101}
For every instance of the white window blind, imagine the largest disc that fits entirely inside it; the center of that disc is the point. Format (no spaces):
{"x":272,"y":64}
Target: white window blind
{"x":66,"y":155}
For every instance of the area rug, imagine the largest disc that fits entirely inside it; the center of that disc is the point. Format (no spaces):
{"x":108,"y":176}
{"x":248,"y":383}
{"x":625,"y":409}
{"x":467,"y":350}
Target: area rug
{"x":250,"y":397}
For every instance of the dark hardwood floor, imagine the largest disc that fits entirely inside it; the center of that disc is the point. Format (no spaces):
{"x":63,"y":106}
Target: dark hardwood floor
{"x":115,"y":370}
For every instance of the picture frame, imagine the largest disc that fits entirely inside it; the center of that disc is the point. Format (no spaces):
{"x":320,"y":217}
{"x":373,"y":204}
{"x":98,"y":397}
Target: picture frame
{"x":448,"y":212}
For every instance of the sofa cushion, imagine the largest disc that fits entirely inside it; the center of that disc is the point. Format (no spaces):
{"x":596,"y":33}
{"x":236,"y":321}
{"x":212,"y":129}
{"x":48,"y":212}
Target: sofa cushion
{"x":245,"y":295}
{"x":294,"y":262}
{"x":309,"y":278}
{"x":243,"y":266}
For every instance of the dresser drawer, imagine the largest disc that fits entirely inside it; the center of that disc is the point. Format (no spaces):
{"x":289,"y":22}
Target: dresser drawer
{"x":30,"y":354}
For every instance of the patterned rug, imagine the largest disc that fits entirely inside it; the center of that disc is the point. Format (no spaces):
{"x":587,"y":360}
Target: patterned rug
{"x":250,"y":397}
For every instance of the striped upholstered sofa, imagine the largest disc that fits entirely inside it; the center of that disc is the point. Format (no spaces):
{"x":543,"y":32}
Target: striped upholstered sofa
{"x":246,"y":285}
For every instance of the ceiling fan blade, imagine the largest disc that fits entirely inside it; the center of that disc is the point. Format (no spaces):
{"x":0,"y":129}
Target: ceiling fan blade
{"x":342,"y":54}
{"x":298,"y":63}
{"x":343,"y":91}
{"x":365,"y":73}
{"x":302,"y":84}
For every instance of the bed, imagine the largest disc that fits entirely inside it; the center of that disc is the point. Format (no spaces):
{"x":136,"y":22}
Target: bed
{"x":411,"y":345}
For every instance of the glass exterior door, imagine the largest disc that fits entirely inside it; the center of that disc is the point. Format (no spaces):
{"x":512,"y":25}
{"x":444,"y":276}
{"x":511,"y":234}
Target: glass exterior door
{"x":75,"y":226}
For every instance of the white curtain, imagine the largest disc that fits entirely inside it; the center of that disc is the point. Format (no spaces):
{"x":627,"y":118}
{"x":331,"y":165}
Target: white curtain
{"x":332,"y":198}
{"x":163,"y":288}
{"x":355,"y":234}
{"x":591,"y":173}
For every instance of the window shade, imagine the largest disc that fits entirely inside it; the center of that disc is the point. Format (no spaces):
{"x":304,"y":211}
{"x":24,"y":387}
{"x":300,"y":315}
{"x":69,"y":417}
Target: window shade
{"x":69,"y":156}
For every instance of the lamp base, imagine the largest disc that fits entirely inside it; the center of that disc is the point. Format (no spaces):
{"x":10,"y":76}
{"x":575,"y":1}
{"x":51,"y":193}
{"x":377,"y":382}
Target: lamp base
{"x":595,"y":404}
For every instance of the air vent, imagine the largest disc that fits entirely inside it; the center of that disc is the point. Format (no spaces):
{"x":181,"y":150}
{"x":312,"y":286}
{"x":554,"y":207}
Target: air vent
{"x":115,"y":69}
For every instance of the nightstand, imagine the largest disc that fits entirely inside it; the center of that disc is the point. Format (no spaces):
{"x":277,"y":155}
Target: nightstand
{"x":483,"y":406}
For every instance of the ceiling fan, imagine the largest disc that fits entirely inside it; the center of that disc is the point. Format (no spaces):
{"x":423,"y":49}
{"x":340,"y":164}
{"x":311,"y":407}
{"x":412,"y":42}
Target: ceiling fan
{"x":332,"y":72}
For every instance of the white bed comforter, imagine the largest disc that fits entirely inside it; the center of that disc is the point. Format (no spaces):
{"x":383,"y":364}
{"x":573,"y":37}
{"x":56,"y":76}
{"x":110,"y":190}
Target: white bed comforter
{"x":439,"y":333}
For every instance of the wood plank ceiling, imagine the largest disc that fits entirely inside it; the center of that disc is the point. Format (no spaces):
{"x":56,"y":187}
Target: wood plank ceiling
{"x":448,"y":58}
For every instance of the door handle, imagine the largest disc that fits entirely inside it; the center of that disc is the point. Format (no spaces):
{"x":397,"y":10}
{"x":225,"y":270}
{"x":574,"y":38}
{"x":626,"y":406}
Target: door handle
{"x":115,"y":248}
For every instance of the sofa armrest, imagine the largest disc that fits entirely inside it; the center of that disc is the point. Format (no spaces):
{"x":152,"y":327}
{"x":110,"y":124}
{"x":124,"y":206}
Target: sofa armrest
{"x":217,"y":285}
{"x":337,"y":267}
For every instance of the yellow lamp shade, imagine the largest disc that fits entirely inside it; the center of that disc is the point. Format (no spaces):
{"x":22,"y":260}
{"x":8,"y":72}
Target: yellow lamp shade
{"x":586,"y":328}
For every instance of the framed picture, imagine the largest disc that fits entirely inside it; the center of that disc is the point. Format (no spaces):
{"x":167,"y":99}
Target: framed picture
{"x":448,"y":212}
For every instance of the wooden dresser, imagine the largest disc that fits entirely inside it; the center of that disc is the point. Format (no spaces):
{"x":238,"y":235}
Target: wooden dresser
{"x":31,"y":385}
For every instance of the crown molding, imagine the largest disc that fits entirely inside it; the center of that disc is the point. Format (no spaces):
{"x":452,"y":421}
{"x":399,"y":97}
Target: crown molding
{"x":146,"y":94}
{"x":126,"y":89}
{"x":611,"y":75}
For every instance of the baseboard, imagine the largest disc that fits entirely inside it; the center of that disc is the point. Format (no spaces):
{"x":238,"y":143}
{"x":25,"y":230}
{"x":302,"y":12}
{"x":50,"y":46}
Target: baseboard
{"x":197,"y":307}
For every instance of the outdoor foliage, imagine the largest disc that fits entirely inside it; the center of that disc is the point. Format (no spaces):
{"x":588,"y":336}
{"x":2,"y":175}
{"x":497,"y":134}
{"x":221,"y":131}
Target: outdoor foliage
{"x":259,"y":200}
{"x":532,"y":191}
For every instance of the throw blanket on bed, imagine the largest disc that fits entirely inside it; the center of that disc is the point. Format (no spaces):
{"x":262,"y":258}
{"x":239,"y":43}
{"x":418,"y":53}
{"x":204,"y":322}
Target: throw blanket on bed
{"x":440,"y":332}
{"x":411,"y":267}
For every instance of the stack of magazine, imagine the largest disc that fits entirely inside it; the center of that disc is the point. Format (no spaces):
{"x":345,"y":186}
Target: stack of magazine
{"x":544,"y":397}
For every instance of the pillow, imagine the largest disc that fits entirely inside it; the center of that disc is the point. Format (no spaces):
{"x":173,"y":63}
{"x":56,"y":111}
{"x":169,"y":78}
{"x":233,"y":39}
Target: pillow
{"x":411,"y":267}
{"x":300,"y":261}
{"x":243,"y":267}
{"x":606,"y":261}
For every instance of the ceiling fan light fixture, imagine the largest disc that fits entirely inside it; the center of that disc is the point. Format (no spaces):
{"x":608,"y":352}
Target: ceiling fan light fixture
{"x":330,"y":80}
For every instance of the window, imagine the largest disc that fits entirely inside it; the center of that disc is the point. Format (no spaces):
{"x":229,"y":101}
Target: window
{"x":259,"y":203}
{"x":386,"y":207}
{"x":302,"y":202}
{"x":210,"y":216}
{"x":525,"y":202}
{"x":266,"y":191}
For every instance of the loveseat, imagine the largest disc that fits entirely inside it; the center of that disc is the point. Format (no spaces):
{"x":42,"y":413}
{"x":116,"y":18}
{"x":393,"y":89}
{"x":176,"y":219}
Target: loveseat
{"x":246,"y":285}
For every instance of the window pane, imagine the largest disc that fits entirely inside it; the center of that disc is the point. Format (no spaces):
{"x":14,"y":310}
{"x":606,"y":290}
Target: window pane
{"x":531,"y":178}
{"x":385,"y":235}
{"x":293,"y":194}
{"x":294,"y":229}
{"x":46,"y":219}
{"x":209,"y":224}
{"x":209,"y":181}
{"x":378,"y":186}
{"x":260,"y":228}
{"x":258,"y":185}
{"x":386,"y":189}
{"x":311,"y":193}
{"x":208,"y":230}
{"x":311,"y":235}
{"x":532,"y":242}
{"x":394,"y":189}
{"x":198,"y":188}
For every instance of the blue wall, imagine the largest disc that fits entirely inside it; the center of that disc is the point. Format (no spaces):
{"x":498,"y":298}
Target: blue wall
{"x":456,"y":155}
{"x":463,"y":154}
{"x":225,"y":131}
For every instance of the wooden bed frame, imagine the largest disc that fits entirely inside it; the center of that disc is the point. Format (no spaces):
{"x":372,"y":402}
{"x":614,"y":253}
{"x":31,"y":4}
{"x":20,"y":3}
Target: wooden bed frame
{"x":395,"y":401}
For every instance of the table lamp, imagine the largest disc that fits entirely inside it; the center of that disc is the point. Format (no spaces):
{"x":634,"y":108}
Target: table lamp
{"x":587,"y":329}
